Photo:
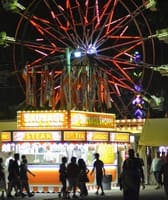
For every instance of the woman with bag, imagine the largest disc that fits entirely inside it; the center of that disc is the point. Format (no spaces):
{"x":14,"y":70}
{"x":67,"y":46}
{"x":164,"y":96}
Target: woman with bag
{"x":83,"y":178}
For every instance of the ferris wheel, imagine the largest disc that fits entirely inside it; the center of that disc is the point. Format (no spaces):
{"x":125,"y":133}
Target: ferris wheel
{"x":113,"y":39}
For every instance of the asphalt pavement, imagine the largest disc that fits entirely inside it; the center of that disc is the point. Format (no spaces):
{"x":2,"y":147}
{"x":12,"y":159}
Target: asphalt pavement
{"x":149,"y":193}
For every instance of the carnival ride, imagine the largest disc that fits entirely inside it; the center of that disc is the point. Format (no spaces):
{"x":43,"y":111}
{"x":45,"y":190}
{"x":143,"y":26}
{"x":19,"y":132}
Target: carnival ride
{"x":115,"y":42}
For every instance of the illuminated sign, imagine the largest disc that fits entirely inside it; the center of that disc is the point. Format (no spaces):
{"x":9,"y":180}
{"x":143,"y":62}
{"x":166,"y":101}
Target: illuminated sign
{"x":36,"y":120}
{"x":97,"y":136}
{"x":5,"y":136}
{"x":74,"y":136}
{"x":37,"y":136}
{"x":49,"y":120}
{"x":119,"y":137}
{"x":92,"y":120}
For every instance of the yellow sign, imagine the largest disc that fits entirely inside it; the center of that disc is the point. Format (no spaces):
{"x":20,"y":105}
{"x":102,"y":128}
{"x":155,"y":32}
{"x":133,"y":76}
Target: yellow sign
{"x":5,"y":136}
{"x":37,"y":136}
{"x":119,"y":137}
{"x":36,"y":120}
{"x":79,"y":120}
{"x":97,"y":136}
{"x":74,"y":136}
{"x":92,"y":120}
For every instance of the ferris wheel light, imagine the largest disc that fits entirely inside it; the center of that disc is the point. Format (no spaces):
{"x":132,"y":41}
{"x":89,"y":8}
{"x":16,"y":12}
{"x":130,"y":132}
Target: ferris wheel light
{"x":91,"y":49}
{"x":77,"y":53}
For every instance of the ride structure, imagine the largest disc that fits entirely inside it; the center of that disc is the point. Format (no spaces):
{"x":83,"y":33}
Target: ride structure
{"x":115,"y":43}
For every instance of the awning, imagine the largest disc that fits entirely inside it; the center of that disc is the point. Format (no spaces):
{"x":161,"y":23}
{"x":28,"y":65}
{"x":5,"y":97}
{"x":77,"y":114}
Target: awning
{"x":154,"y":132}
{"x":8,"y":125}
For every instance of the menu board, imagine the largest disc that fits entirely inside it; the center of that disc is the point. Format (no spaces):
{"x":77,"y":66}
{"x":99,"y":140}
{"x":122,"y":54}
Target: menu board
{"x":120,"y":137}
{"x":74,"y":136}
{"x":94,"y":136}
{"x":37,"y":136}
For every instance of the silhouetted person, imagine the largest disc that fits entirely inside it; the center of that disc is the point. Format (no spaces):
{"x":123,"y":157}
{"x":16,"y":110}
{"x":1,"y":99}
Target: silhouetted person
{"x":11,"y":181}
{"x":131,"y":177}
{"x":24,"y":177}
{"x":98,"y":167}
{"x":63,"y":176}
{"x":73,"y":175}
{"x":164,"y":173}
{"x":140,"y":159}
{"x":16,"y":174}
{"x":163,"y":156}
{"x":83,"y":178}
{"x":10,"y":156}
{"x":2,"y":178}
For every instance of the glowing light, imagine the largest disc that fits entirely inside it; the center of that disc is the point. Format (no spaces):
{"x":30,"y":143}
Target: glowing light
{"x":138,"y":103}
{"x":77,"y":53}
{"x":137,"y":57}
{"x":91,"y":49}
{"x":138,"y":88}
{"x":12,"y":5}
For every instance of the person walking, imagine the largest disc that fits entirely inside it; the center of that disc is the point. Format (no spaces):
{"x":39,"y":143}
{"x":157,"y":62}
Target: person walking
{"x":131,"y":177}
{"x":164,"y":175}
{"x":98,"y":167}
{"x":16,"y":174}
{"x":156,"y":165}
{"x":2,"y":179}
{"x":83,"y":178}
{"x":24,"y":177}
{"x":63,"y":177}
{"x":11,"y":181}
{"x":8,"y":158}
{"x":73,"y":176}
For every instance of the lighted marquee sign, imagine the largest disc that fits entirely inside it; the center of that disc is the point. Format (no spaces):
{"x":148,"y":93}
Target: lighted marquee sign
{"x":5,"y":136}
{"x":41,"y":120}
{"x":92,"y":120}
{"x":74,"y":136}
{"x":45,"y":120}
{"x":37,"y":136}
{"x":119,"y":137}
{"x":97,"y":136}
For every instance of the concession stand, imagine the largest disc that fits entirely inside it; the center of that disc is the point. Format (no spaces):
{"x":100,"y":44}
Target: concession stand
{"x":46,"y":136}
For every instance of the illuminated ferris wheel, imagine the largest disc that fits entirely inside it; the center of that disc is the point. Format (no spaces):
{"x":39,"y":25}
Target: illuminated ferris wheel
{"x":114,"y":43}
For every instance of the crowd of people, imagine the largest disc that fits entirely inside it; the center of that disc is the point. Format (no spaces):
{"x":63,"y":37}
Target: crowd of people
{"x":76,"y":174}
{"x":159,"y":168}
{"x":132,"y":176}
{"x":13,"y":176}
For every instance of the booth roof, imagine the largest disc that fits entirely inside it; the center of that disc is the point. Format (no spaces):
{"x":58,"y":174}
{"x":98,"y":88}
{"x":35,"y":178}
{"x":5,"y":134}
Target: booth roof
{"x":154,"y":132}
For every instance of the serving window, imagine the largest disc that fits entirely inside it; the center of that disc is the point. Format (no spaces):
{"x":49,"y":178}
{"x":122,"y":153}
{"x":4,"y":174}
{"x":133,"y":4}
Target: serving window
{"x":51,"y":152}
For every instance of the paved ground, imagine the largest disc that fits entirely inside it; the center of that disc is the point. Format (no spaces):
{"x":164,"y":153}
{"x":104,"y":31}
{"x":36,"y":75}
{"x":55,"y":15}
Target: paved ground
{"x":149,"y":193}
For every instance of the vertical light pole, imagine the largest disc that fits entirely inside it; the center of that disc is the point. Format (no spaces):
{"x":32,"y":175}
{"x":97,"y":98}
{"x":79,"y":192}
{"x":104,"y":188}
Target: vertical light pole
{"x":68,"y":63}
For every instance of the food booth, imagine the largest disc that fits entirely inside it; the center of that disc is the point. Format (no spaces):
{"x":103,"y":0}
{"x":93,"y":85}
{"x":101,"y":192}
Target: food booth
{"x":46,"y":136}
